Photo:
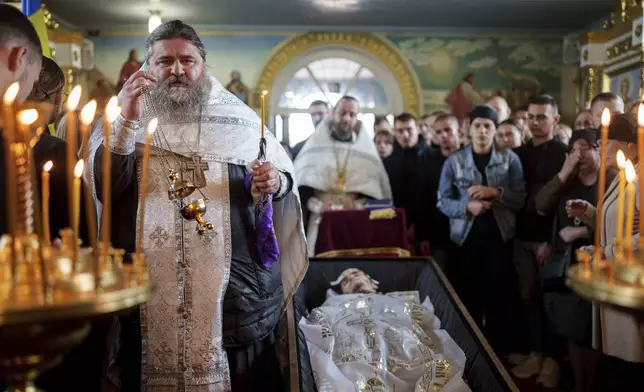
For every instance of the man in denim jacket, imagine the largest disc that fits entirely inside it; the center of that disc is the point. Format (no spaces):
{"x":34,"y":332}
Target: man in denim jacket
{"x":481,"y":188}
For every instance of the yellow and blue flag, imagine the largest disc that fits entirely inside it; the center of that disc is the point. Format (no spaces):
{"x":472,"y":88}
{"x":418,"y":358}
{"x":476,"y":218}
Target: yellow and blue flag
{"x":35,"y":13}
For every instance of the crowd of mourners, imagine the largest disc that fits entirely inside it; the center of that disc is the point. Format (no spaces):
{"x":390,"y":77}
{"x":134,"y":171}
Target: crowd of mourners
{"x":500,"y":199}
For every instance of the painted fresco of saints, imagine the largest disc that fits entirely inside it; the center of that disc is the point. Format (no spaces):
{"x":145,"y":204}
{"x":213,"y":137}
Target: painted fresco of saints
{"x":237,"y":87}
{"x":464,"y":96}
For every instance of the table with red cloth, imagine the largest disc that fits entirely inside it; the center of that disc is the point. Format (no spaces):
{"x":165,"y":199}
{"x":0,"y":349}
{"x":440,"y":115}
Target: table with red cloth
{"x":352,"y":233}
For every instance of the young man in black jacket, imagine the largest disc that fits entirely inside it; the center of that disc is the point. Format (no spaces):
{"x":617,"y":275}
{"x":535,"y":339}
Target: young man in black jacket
{"x":432,"y":225}
{"x":541,"y":157}
{"x":402,"y":168}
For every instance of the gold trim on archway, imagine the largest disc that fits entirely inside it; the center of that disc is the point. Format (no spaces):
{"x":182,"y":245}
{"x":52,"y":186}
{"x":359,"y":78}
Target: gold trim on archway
{"x":377,"y":47}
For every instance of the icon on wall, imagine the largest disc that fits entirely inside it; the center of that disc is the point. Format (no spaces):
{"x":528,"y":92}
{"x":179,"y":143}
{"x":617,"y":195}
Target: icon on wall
{"x":237,"y":87}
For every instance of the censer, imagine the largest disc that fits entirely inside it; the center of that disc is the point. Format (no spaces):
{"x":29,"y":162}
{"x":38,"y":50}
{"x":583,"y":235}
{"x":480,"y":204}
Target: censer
{"x":50,"y":292}
{"x":179,"y":187}
{"x":615,"y":281}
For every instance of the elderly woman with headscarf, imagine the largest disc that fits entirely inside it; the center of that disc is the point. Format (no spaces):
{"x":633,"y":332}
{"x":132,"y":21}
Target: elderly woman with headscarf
{"x":49,"y":88}
{"x":617,"y":333}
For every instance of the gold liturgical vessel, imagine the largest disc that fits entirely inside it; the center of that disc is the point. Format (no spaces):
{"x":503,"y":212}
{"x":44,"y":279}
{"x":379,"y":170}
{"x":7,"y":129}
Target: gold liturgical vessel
{"x":51,"y":290}
{"x":179,"y":188}
{"x":195,"y":210}
{"x":619,"y":280}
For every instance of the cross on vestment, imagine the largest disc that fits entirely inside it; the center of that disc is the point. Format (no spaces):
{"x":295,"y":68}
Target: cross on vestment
{"x":197,"y":167}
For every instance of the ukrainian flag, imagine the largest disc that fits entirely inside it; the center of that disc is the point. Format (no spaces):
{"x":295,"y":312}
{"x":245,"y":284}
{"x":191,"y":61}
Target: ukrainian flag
{"x":33,"y":10}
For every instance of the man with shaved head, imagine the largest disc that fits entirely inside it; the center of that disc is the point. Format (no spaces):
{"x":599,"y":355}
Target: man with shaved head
{"x":500,"y":105}
{"x":433,"y":226}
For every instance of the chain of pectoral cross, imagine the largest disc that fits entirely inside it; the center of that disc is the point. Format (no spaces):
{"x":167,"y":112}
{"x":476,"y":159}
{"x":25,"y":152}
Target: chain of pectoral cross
{"x":195,"y":164}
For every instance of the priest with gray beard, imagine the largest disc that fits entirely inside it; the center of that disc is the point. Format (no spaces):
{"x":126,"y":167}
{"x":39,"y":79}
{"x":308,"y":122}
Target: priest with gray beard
{"x":212,"y":324}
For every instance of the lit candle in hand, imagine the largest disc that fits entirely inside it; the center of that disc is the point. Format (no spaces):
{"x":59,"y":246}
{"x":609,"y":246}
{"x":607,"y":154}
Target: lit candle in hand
{"x":621,"y":162}
{"x":630,"y":177}
{"x":640,"y":154}
{"x":45,"y":201}
{"x":601,"y":183}
{"x":152,"y":126}
{"x":112,"y":110}
{"x":263,"y":111}
{"x":72,"y":150}
{"x":86,"y":117}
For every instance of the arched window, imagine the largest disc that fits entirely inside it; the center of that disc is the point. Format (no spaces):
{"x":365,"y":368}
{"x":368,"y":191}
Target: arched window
{"x":326,"y":76}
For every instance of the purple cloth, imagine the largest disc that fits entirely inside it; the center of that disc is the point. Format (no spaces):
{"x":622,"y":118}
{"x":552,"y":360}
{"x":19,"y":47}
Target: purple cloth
{"x":265,"y":238}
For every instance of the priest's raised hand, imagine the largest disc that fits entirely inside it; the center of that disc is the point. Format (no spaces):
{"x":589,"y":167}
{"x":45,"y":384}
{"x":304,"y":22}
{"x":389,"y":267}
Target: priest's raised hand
{"x":130,"y":95}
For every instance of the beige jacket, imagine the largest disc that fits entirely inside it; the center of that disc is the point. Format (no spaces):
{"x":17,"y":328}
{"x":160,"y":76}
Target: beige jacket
{"x":616,"y":333}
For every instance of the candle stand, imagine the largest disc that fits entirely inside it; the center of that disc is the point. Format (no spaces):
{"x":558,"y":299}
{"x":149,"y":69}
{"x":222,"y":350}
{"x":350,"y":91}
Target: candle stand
{"x":51,"y":293}
{"x":47,"y":307}
{"x":609,"y":282}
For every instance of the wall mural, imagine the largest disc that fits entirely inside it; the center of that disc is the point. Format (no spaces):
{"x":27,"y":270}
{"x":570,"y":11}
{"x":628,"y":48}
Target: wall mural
{"x":515,"y":68}
{"x":244,"y":53}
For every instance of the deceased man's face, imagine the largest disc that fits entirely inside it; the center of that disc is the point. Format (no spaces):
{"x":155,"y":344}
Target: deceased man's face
{"x":357,"y":283}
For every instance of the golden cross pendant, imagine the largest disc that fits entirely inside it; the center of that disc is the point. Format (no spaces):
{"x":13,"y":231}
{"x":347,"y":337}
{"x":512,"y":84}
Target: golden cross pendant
{"x":339,"y":183}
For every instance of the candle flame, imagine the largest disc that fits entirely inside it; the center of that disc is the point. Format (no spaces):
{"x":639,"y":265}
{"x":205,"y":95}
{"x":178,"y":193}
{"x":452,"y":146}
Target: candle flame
{"x":152,"y":126}
{"x":28,"y":117}
{"x":48,"y":166}
{"x":11,"y":93}
{"x":630,"y":172}
{"x":87,"y":114}
{"x":264,"y":92}
{"x":640,"y":115}
{"x":605,"y":117}
{"x":78,"y":170}
{"x":621,"y":159}
{"x":74,"y":98}
{"x":112,"y":110}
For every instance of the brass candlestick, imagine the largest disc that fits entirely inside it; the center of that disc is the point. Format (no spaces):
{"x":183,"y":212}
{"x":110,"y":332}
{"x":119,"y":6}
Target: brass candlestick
{"x":49,"y":294}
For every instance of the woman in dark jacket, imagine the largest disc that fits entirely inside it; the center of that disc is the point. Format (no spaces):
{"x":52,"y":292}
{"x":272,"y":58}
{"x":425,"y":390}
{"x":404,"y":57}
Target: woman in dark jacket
{"x":569,"y":314}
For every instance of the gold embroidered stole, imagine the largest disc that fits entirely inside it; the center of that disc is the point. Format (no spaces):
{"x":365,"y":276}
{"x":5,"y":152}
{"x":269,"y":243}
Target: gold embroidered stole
{"x":181,"y":325}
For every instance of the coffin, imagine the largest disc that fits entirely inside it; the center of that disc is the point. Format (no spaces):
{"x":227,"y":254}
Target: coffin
{"x":483,"y":370}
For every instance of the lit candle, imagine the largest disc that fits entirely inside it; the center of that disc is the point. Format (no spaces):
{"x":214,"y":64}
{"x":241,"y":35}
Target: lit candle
{"x":601,"y":184}
{"x":78,"y":172}
{"x":25,"y":223}
{"x":152,"y":126}
{"x":111,"y":112}
{"x":640,"y":154}
{"x":72,"y":151}
{"x":628,"y":244}
{"x":86,"y":117}
{"x":621,"y":162}
{"x":263,"y":110}
{"x":45,"y":201}
{"x":9,"y":120}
